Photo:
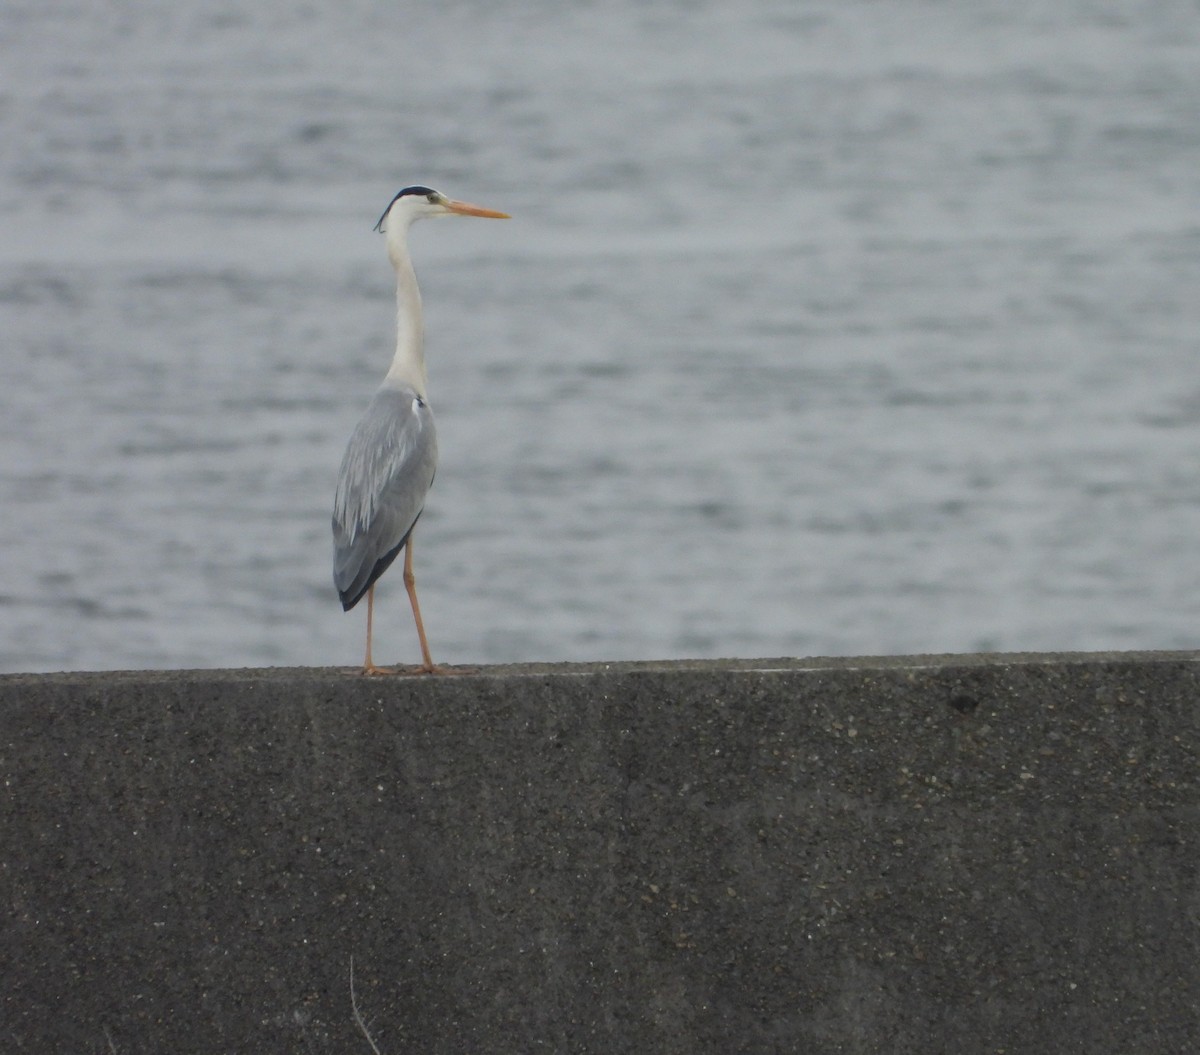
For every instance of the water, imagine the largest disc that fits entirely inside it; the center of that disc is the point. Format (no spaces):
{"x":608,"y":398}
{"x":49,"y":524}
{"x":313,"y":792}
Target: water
{"x":830,"y":328}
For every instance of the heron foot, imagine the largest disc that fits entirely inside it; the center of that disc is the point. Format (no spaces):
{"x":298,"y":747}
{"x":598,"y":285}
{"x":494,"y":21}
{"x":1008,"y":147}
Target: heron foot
{"x":371,"y":669}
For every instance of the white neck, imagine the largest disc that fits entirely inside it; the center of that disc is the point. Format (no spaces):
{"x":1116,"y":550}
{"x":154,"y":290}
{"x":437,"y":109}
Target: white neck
{"x":408,"y":364}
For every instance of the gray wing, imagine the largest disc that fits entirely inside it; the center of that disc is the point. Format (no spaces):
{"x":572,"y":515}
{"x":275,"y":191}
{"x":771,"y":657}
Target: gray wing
{"x":385,"y":475}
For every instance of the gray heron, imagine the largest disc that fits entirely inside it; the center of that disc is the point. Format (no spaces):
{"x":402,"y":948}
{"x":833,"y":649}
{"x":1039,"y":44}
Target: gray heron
{"x":390,"y":460}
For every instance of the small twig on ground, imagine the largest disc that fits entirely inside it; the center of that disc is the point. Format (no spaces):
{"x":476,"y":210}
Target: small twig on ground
{"x":358,"y":1015}
{"x":111,"y":1046}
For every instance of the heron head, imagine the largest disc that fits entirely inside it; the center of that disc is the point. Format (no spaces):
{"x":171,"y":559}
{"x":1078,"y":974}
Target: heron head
{"x":417,"y":203}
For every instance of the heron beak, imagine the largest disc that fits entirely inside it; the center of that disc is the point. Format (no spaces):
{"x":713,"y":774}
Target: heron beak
{"x":464,"y":208}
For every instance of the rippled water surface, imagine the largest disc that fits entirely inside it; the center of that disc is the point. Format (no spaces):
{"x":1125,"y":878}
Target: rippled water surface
{"x":819,"y":329}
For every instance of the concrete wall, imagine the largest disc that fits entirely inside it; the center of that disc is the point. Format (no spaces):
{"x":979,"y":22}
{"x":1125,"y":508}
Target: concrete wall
{"x":942,"y":854}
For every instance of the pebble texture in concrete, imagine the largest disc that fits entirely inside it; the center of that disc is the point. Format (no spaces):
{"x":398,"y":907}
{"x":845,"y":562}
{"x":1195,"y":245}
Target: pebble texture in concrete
{"x":925,"y":854}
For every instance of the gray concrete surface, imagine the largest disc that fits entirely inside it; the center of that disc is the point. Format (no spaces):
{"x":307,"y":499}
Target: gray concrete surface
{"x":925,"y":854}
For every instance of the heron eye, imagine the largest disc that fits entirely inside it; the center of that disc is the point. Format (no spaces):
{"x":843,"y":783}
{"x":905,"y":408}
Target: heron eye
{"x":431,"y":198}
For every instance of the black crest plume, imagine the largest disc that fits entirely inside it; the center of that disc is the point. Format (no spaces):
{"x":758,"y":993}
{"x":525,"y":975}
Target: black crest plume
{"x":427,"y":192}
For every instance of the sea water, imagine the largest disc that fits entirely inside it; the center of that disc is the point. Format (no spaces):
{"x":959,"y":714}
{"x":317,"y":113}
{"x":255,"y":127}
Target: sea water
{"x":823,"y":328}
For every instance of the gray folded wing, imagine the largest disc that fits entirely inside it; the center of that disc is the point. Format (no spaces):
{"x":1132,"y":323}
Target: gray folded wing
{"x":386,"y":472}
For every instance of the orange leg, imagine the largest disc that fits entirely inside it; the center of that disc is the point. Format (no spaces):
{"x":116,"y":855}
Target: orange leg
{"x":410,"y":584}
{"x":368,"y":666}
